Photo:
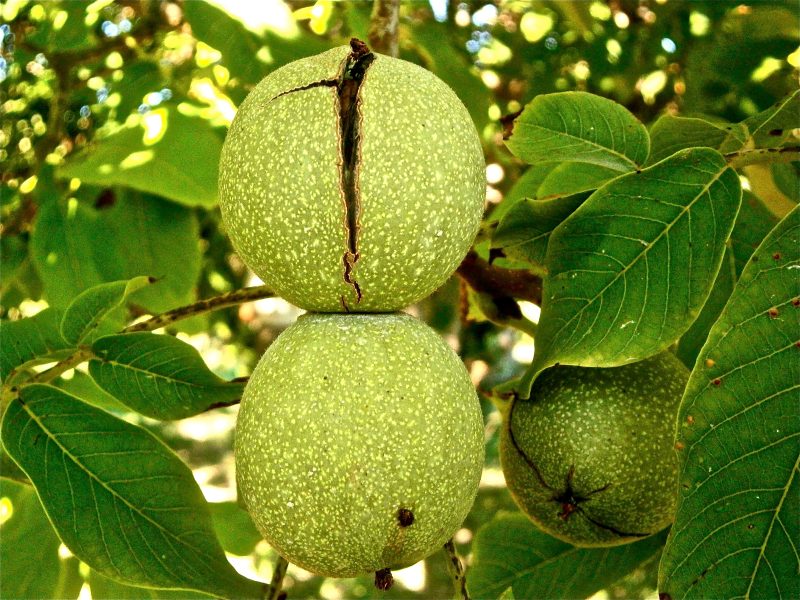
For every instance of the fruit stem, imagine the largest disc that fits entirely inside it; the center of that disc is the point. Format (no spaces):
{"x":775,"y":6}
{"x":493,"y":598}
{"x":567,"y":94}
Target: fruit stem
{"x":278,"y":573}
{"x":456,"y":570}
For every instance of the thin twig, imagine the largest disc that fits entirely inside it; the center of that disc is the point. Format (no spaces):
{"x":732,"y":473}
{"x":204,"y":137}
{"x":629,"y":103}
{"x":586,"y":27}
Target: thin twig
{"x":743,"y":158}
{"x":202,"y":306}
{"x":383,"y":27}
{"x":456,"y":570}
{"x":276,"y":583}
{"x":499,"y":282}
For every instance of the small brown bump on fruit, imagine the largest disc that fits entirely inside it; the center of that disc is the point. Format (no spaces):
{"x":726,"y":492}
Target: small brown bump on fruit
{"x":384,"y":579}
{"x":773,"y":313}
{"x":710,"y":362}
{"x":405,"y":517}
{"x":690,"y":420}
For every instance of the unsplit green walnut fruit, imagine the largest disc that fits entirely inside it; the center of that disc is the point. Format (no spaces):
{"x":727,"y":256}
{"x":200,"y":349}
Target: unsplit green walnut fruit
{"x":351,"y":181}
{"x":359,"y":443}
{"x":590,"y":457}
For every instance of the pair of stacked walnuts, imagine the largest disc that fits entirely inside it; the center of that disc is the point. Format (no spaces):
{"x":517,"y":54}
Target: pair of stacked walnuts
{"x":353,"y":185}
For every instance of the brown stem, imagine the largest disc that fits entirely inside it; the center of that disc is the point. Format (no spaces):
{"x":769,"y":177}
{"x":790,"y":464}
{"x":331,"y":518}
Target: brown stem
{"x":202,"y":306}
{"x":383,"y":27}
{"x":276,"y":583}
{"x":456,"y":570}
{"x":499,"y":282}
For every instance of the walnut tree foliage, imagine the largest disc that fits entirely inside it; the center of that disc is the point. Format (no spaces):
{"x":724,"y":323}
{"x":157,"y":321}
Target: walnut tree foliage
{"x":644,"y":176}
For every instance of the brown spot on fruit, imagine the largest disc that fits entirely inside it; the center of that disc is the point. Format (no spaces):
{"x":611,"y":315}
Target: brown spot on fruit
{"x":405,"y":517}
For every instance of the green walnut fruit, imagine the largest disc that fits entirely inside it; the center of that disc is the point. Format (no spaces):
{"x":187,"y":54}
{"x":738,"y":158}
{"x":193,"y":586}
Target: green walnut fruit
{"x":359,"y":443}
{"x":590,"y":457}
{"x":351,"y":181}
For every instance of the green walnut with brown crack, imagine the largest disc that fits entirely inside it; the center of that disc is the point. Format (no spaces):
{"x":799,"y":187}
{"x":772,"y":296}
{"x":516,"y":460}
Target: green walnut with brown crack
{"x":359,"y":443}
{"x":351,"y":181}
{"x":590,"y":457}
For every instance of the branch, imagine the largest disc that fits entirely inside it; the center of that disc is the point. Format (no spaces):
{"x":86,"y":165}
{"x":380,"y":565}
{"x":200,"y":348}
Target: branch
{"x":383,"y":27}
{"x":202,"y":306}
{"x":456,"y":570}
{"x":743,"y":158}
{"x":275,"y":584}
{"x":500,"y":283}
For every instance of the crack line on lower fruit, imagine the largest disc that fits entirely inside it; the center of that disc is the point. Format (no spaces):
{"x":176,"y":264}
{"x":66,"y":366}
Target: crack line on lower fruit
{"x":348,"y":88}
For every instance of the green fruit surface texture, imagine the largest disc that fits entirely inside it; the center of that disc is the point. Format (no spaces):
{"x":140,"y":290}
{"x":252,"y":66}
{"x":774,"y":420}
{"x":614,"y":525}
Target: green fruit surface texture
{"x":590,"y":457}
{"x":364,"y":202}
{"x":359,"y":443}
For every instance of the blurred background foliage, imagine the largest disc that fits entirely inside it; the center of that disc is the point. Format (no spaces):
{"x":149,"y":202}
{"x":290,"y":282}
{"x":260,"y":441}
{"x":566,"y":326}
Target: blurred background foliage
{"x":113,"y":116}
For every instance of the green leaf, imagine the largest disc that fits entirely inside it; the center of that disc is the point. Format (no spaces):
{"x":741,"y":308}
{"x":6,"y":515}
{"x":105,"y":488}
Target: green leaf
{"x":692,"y":341}
{"x":511,"y":550}
{"x":671,"y":134}
{"x":92,"y":309}
{"x":158,"y":376}
{"x":119,"y":499}
{"x":579,"y":127}
{"x":775,"y":126}
{"x":573,"y":177}
{"x":630,"y":269}
{"x":76,"y":246}
{"x":139,"y":78}
{"x":104,"y":588}
{"x":523,"y":232}
{"x":71,"y":35}
{"x":235,"y":529}
{"x":753,"y":224}
{"x":34,"y":339}
{"x":527,"y":186}
{"x":737,"y":526}
{"x":83,"y":387}
{"x":29,"y":552}
{"x":162,"y":152}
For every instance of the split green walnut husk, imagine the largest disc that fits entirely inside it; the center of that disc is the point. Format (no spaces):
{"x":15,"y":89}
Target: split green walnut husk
{"x":351,"y":181}
{"x":359,"y":443}
{"x":590,"y":457}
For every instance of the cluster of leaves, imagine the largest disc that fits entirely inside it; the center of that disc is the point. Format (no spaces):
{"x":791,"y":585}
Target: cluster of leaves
{"x":642,"y":238}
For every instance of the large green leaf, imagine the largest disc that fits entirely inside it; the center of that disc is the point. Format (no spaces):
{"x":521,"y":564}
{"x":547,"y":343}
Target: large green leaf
{"x":93,"y":310}
{"x":29,"y":550}
{"x":512,"y":551}
{"x":579,"y":127}
{"x":631,"y":268}
{"x":671,"y":134}
{"x":523,"y":231}
{"x":76,"y":246}
{"x":753,"y":224}
{"x":737,"y":526}
{"x":118,"y":498}
{"x":158,"y":376}
{"x":163,"y":152}
{"x":34,"y":339}
{"x":104,"y":588}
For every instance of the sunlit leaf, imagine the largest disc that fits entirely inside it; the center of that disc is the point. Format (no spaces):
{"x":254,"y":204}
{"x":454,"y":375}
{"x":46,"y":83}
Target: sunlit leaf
{"x":738,"y":518}
{"x":118,"y":498}
{"x":34,"y":339}
{"x":631,"y":268}
{"x":158,"y":376}
{"x":579,"y":127}
{"x":171,"y":154}
{"x":511,"y":551}
{"x":776,"y":126}
{"x":93,"y":309}
{"x":104,"y":588}
{"x":29,"y":552}
{"x":235,"y":529}
{"x":574,"y":177}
